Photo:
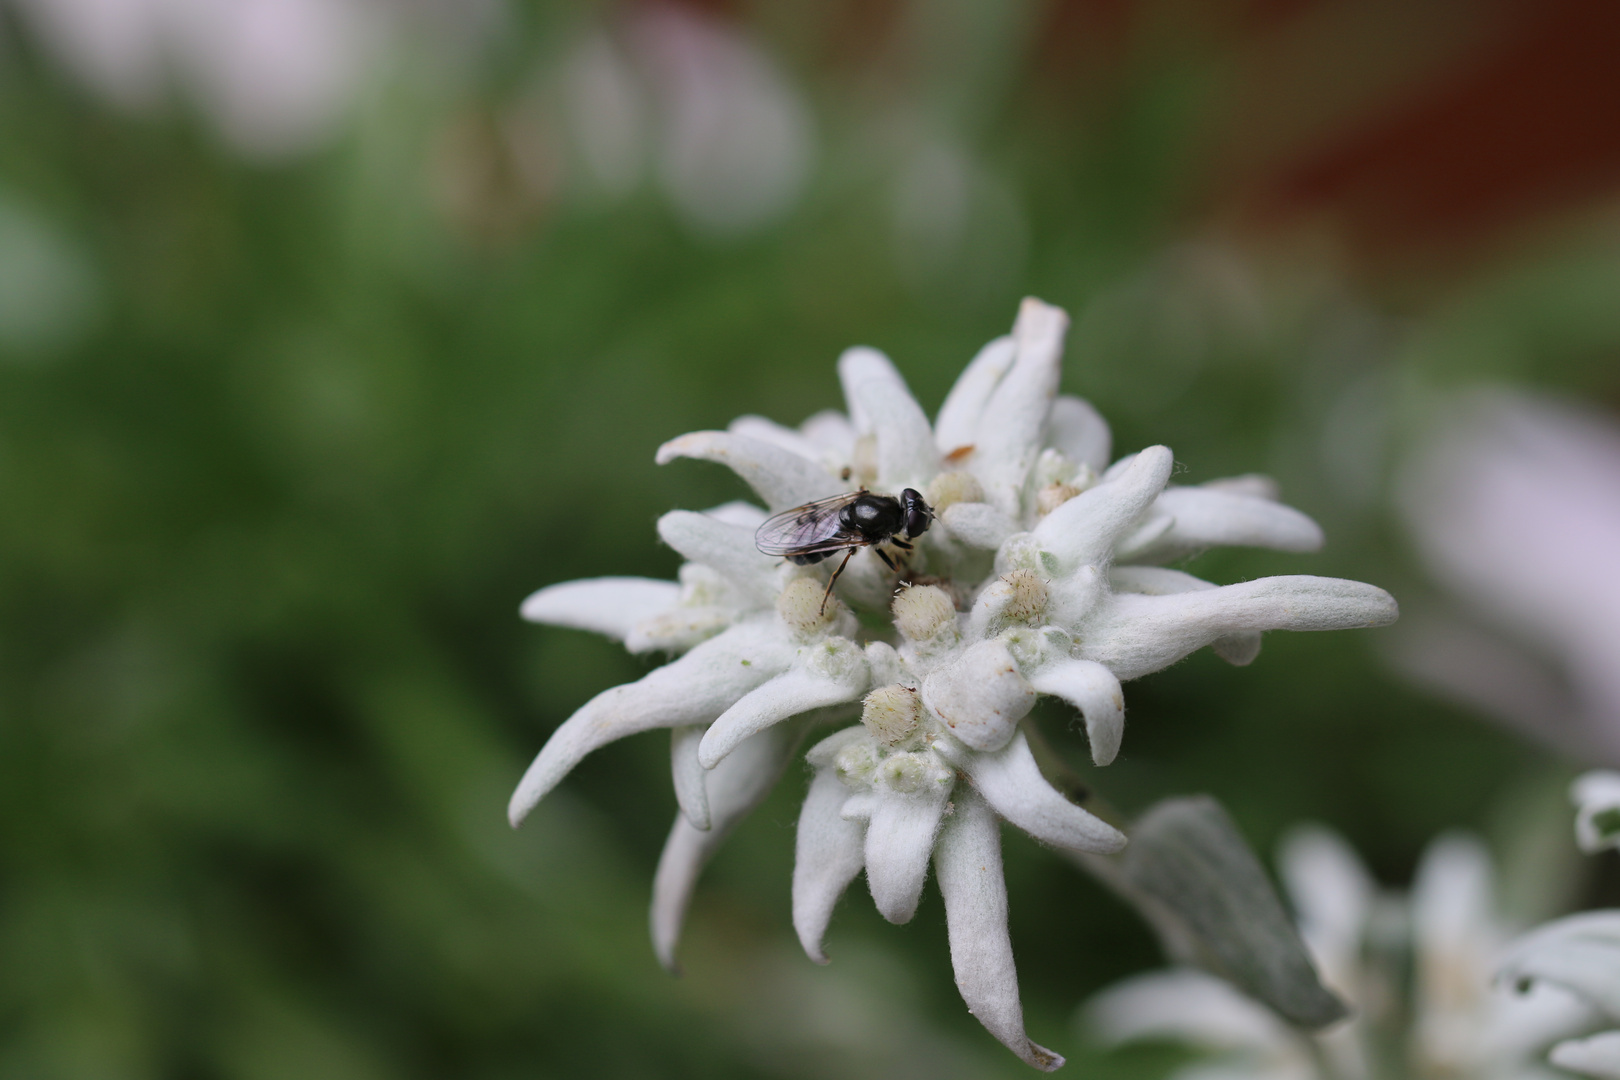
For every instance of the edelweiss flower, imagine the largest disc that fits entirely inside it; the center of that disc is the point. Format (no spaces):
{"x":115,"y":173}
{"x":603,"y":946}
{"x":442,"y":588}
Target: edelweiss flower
{"x":1446,"y":938}
{"x":1597,"y":810}
{"x":1580,"y":955}
{"x":1040,"y":577}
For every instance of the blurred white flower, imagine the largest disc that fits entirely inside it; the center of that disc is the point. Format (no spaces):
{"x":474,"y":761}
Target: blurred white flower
{"x":1514,"y":502}
{"x":1597,"y":810}
{"x":1580,"y":955}
{"x":1418,"y":971}
{"x":729,"y":137}
{"x":274,"y":75}
{"x":1038,"y":578}
{"x":1577,"y":956}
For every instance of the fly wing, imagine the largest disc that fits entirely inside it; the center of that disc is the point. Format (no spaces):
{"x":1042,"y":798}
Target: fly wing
{"x":807,"y":529}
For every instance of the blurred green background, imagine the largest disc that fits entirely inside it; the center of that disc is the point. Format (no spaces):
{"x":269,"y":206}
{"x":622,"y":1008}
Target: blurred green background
{"x":303,"y":390}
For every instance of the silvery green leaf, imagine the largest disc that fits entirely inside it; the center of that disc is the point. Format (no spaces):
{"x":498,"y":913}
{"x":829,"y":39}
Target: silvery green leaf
{"x":1192,"y":867}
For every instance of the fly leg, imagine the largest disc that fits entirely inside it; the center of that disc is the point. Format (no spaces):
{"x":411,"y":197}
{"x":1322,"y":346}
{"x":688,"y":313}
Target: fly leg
{"x":834,"y":578}
{"x":886,"y":560}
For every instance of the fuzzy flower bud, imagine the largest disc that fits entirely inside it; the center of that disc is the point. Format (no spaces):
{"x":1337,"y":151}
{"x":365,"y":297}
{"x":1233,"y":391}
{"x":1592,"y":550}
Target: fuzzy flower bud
{"x":909,"y":773}
{"x":891,"y":713}
{"x":1052,"y":496}
{"x":950,"y":488}
{"x":800,"y":606}
{"x":855,"y":763}
{"x":1018,"y":596}
{"x":921,"y":611}
{"x":1026,"y":596}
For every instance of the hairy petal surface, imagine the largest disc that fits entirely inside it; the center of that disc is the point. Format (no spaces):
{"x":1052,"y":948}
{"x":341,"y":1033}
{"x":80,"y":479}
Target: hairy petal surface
{"x":881,"y":403}
{"x":607,"y":605}
{"x":1597,"y":1056}
{"x":1206,"y":517}
{"x":1013,"y":425}
{"x":734,"y":790}
{"x":828,"y":853}
{"x":899,"y":839}
{"x":1095,"y":691}
{"x":1083,"y":530}
{"x":1012,"y":783}
{"x":692,"y":690}
{"x":722,"y":546}
{"x":968,"y":865}
{"x":1238,"y":649}
{"x":978,"y":524}
{"x":1133,"y":634}
{"x":764,"y":430}
{"x":805,"y":686}
{"x":691,"y":778}
{"x":782,"y":478}
{"x":1080,"y":433}
{"x":957,"y":425}
{"x":981,"y":695}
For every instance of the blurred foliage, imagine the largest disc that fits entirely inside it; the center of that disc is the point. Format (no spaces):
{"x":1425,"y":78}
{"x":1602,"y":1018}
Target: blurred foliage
{"x":297,"y":438}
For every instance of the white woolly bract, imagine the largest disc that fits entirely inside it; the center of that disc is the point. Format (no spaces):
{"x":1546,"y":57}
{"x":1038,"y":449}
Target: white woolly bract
{"x":611,"y":605}
{"x":828,"y":853}
{"x":733,"y":790}
{"x":1133,"y":635}
{"x":900,"y":833}
{"x":968,"y":864}
{"x":825,"y":673}
{"x":1094,"y":690}
{"x":1011,"y":782}
{"x":694,"y":689}
{"x":981,"y":696}
{"x":1597,"y":1056}
{"x":782,"y":478}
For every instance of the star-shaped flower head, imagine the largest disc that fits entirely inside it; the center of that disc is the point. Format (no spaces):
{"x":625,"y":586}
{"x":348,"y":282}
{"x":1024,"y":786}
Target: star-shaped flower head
{"x":1042,"y":575}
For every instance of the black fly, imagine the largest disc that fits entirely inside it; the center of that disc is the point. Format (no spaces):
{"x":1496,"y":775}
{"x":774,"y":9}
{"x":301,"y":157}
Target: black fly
{"x":815,"y":531}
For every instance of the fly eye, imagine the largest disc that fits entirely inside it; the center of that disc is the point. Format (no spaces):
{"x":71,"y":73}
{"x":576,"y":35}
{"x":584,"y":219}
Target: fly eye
{"x":917,"y":520}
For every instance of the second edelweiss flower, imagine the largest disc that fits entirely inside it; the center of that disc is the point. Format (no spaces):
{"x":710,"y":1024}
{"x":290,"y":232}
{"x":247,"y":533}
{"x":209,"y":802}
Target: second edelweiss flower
{"x":1041,"y":575}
